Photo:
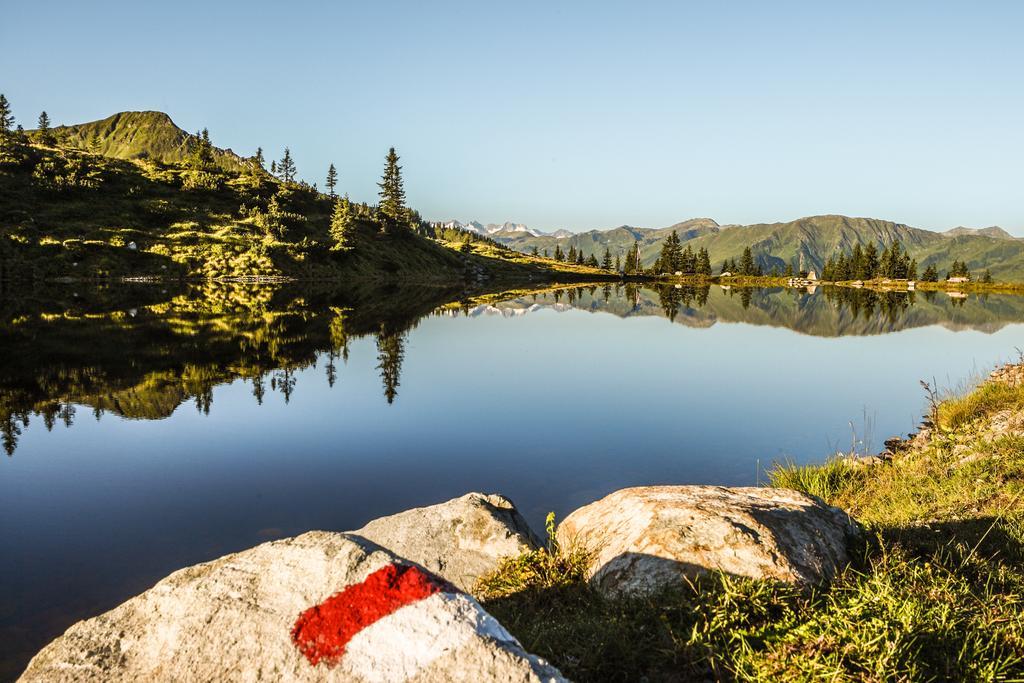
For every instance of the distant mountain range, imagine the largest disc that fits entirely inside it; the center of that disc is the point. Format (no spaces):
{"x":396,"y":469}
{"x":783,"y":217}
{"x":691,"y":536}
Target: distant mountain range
{"x":502,"y":230}
{"x":805,"y":243}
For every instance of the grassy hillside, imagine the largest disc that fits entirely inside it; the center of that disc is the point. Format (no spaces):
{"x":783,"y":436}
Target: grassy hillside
{"x":139,"y":135}
{"x":807,"y":242}
{"x":65,"y":212}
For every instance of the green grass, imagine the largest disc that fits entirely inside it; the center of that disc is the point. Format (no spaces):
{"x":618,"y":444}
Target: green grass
{"x":935,"y":593}
{"x":988,"y":398}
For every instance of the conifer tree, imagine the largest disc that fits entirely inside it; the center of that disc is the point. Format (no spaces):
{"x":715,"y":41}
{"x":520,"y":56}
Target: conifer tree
{"x":725,"y":267}
{"x":671,"y":258}
{"x":633,"y":259}
{"x":870,"y":268}
{"x":592,"y":261}
{"x":703,"y":262}
{"x":931,"y":274}
{"x":535,"y":251}
{"x":332,"y":180}
{"x":258,"y":158}
{"x":606,"y":262}
{"x":202,"y":151}
{"x":45,"y":134}
{"x":747,"y":266}
{"x":273,"y":167}
{"x":687,"y":261}
{"x":572,"y":253}
{"x":392,"y":193}
{"x":286,"y":167}
{"x":6,"y":116}
{"x":342,"y":225}
{"x":559,"y":256}
{"x":618,"y":263}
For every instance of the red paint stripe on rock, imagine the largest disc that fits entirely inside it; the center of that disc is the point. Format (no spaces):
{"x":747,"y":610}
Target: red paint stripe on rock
{"x":322,"y":631}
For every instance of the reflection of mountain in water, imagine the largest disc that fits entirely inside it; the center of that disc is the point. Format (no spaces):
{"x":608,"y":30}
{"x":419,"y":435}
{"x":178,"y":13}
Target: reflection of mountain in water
{"x":141,"y":352}
{"x":825,"y":312}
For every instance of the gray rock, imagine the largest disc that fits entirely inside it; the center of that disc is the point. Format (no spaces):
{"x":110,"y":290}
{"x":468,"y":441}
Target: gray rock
{"x":232,"y":619}
{"x":459,"y":540}
{"x":648,"y":537}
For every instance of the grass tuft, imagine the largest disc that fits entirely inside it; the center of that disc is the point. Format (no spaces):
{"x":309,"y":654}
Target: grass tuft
{"x":822,"y":481}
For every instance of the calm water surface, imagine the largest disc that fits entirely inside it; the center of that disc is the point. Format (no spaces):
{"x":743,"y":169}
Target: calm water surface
{"x":147,"y":430}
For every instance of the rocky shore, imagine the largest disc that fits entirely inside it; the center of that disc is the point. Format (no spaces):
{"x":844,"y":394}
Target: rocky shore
{"x":394,"y":600}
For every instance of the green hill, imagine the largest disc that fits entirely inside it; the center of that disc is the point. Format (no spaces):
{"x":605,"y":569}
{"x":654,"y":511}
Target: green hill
{"x":114,"y":199}
{"x":806,"y":243}
{"x":140,"y":135}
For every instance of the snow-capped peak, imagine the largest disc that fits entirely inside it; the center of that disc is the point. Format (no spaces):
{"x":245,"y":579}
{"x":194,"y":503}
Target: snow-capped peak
{"x":505,"y":228}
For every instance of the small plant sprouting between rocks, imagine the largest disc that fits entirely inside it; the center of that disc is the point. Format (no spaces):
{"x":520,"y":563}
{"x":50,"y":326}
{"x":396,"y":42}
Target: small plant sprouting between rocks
{"x":544,"y":568}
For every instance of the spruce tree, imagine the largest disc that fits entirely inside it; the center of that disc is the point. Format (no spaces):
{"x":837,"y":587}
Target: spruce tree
{"x":273,"y":167}
{"x":618,"y":263}
{"x":202,"y":151}
{"x":6,"y":116}
{"x":286,"y":167}
{"x":747,"y":266}
{"x":606,"y":262}
{"x":332,"y":180}
{"x":258,"y":158}
{"x":342,"y":225}
{"x":392,"y":193}
{"x":703,"y":262}
{"x":931,"y":274}
{"x":559,"y":256}
{"x":45,"y":134}
{"x":870,"y":262}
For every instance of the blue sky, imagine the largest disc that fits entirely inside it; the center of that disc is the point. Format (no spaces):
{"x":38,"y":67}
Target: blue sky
{"x":576,"y":115}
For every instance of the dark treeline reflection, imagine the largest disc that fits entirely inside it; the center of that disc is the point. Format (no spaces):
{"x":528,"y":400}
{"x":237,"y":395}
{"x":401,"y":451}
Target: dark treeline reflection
{"x":141,"y":361}
{"x":140,"y":352}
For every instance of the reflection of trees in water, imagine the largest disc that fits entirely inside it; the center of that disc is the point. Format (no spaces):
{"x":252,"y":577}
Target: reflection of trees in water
{"x":676,"y":297}
{"x":390,"y":354}
{"x":868,"y":303}
{"x":144,"y":365}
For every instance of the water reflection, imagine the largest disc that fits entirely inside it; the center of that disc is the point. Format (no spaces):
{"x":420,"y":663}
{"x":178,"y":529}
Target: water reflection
{"x":141,"y":352}
{"x":142,"y":361}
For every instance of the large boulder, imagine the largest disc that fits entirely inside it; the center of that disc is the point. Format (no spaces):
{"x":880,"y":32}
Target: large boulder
{"x":644,"y":538}
{"x":320,"y":606}
{"x":459,"y":540}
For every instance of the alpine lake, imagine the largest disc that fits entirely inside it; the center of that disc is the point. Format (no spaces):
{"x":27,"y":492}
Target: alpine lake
{"x":149,"y":427}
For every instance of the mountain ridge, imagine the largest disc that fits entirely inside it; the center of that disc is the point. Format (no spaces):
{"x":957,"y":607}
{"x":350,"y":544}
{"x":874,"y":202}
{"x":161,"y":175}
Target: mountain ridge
{"x":804,"y":243}
{"x":132,"y":135}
